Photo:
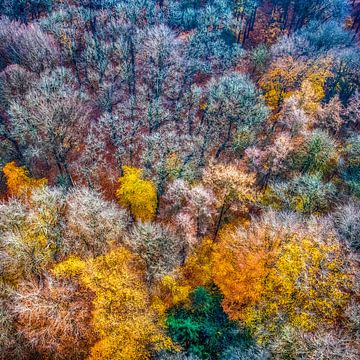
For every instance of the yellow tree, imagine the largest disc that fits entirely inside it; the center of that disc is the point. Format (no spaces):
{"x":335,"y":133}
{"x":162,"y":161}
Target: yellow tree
{"x":312,"y":89}
{"x":307,"y":286}
{"x":122,"y":317}
{"x":137,"y":194}
{"x":287,"y":77}
{"x":32,"y":230}
{"x":19,"y":182}
{"x":281,"y":80}
{"x":273,"y":275}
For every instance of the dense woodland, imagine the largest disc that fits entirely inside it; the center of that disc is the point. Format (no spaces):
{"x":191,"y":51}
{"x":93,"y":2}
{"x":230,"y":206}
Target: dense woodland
{"x":180,"y":179}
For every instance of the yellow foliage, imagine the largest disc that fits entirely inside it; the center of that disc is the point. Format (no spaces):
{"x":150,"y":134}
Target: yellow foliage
{"x":280,"y":81}
{"x":288,"y":77}
{"x":312,"y":89}
{"x":203,"y":106}
{"x":18,"y":181}
{"x":231,"y":184}
{"x":197,"y":268}
{"x":196,"y":271}
{"x":30,"y":245}
{"x":69,"y":268}
{"x":169,"y":292}
{"x":271,"y":279}
{"x":136,"y":194}
{"x":125,"y":323}
{"x":307,"y":284}
{"x":173,"y":164}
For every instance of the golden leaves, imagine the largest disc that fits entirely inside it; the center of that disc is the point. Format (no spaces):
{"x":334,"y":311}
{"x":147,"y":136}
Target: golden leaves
{"x":136,"y":194}
{"x":122,"y":317}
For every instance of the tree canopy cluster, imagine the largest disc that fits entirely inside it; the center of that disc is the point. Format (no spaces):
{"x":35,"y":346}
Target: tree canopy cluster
{"x":180,"y":179}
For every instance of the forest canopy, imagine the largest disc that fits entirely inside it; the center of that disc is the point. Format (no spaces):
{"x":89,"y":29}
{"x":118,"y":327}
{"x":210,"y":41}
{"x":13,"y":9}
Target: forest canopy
{"x":180,"y":179}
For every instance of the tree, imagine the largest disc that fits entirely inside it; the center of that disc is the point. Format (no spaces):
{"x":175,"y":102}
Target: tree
{"x":190,"y":14}
{"x":18,"y":181}
{"x":306,"y":194}
{"x":316,"y":34}
{"x":298,"y":13}
{"x":233,"y":189}
{"x":351,"y":113}
{"x":136,"y":194}
{"x":174,"y":289}
{"x":324,"y":343}
{"x":191,"y":208}
{"x":259,"y":58}
{"x":350,"y":167}
{"x":279,"y":81}
{"x":245,"y":14}
{"x":25,"y":10}
{"x":317,"y":155}
{"x":297,"y":276}
{"x":347,"y":223}
{"x":311,"y":268}
{"x":272,"y":160}
{"x":289,"y":76}
{"x":15,"y":82}
{"x":202,"y":328}
{"x":160,"y":249}
{"x":122,"y":317}
{"x":26,"y":45}
{"x":93,"y":224}
{"x":31,"y":234}
{"x":293,"y":118}
{"x":329,"y":117}
{"x":212,"y":51}
{"x":54,"y":317}
{"x":233,"y":104}
{"x":169,"y":154}
{"x":44,"y":121}
{"x":241,"y":261}
{"x":345,"y":80}
{"x":161,"y":60}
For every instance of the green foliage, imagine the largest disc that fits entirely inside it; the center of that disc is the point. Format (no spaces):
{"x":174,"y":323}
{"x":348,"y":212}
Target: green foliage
{"x":317,"y":155}
{"x":350,"y":168}
{"x":306,"y":194}
{"x":259,"y":57}
{"x":202,"y":328}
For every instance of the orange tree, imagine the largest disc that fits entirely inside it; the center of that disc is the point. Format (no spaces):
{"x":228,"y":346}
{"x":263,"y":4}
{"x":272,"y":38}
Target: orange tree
{"x":272,"y":275}
{"x":19,"y":182}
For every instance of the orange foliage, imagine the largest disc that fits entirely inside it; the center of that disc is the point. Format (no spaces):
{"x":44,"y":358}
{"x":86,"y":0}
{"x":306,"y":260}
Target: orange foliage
{"x":18,"y":181}
{"x":241,"y":261}
{"x":272,"y":276}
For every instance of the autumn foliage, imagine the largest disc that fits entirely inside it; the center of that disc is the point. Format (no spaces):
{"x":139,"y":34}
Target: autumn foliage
{"x":180,"y":180}
{"x":137,"y":194}
{"x":18,"y":181}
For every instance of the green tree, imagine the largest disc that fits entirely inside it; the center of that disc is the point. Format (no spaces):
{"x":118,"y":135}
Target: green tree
{"x":202,"y":328}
